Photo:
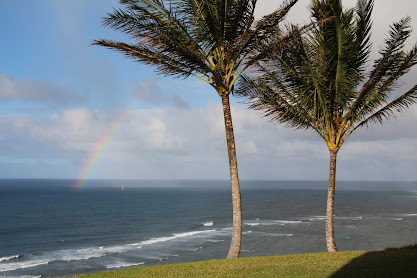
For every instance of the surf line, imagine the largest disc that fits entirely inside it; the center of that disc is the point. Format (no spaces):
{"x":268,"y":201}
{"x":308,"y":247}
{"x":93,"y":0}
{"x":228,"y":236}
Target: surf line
{"x":101,"y":144}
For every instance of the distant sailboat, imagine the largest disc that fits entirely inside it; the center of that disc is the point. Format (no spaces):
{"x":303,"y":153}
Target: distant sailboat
{"x":123,"y":188}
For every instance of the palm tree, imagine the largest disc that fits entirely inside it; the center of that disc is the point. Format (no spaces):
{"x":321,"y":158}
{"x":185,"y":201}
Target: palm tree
{"x":318,"y":80}
{"x":210,"y":39}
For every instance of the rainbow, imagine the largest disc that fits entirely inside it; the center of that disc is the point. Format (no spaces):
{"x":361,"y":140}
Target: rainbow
{"x":104,"y":141}
{"x":98,"y":149}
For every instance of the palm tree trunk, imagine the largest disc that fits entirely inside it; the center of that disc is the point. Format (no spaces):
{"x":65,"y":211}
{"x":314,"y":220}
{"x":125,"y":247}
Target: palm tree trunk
{"x":234,"y":250}
{"x":331,"y":245}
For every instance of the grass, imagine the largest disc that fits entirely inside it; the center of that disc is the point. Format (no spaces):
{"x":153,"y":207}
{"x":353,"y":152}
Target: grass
{"x":392,"y":262}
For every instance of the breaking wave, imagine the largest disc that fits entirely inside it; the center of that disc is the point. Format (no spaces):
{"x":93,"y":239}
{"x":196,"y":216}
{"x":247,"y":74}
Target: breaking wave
{"x":20,"y":265}
{"x":317,"y":218}
{"x":9,"y":258}
{"x":273,"y":222}
{"x":175,"y":236}
{"x":8,"y":263}
{"x":123,"y":264}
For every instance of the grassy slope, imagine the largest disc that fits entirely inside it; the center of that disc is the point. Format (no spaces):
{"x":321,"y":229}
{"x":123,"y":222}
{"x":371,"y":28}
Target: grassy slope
{"x":400,"y":262}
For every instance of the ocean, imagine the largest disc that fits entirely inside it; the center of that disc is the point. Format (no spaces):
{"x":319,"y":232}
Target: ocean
{"x":49,"y":230}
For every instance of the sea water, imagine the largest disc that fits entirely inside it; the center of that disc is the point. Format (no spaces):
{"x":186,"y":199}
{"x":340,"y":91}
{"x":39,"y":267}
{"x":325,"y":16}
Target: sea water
{"x":49,"y":230}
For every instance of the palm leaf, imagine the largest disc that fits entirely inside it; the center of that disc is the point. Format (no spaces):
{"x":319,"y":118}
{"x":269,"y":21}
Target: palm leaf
{"x":389,"y":62}
{"x":163,"y":38}
{"x":400,"y":104}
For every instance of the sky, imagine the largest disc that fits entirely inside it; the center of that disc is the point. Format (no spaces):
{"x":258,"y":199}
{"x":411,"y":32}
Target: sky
{"x":73,"y":110}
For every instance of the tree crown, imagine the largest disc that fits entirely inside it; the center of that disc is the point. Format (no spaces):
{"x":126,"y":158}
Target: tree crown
{"x":317,"y":80}
{"x":211,"y":39}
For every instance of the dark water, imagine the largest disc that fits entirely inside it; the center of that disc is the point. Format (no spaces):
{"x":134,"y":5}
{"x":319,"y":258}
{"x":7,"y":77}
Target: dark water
{"x":48,"y":230}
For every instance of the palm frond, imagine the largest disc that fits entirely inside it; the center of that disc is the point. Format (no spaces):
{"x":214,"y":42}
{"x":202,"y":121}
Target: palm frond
{"x":165,"y":64}
{"x":364,"y":10}
{"x":387,"y":69}
{"x":399,"y":105}
{"x":159,"y":31}
{"x":276,"y":104}
{"x":241,"y":17}
{"x":258,"y":34}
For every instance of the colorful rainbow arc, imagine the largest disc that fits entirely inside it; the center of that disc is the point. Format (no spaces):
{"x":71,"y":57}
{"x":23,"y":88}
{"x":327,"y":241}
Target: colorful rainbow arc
{"x":98,"y":149}
{"x":101,"y":144}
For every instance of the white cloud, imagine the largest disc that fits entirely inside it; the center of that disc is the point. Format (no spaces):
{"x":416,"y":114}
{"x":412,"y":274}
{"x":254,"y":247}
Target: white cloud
{"x":178,"y":143}
{"x":157,"y":137}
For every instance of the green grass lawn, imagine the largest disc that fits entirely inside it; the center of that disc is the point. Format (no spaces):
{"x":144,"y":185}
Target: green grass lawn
{"x":400,"y":262}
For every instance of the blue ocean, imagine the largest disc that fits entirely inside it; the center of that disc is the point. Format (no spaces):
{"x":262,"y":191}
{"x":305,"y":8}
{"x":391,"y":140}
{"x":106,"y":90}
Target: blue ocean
{"x":49,"y":230}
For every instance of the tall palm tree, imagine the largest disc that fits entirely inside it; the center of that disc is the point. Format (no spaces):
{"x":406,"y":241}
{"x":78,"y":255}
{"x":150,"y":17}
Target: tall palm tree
{"x":210,"y":39}
{"x":318,"y":81}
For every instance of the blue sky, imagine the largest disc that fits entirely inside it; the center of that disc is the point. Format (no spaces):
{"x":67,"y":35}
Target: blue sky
{"x":59,"y":96}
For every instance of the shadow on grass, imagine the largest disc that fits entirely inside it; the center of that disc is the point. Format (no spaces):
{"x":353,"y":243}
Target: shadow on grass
{"x":401,"y":262}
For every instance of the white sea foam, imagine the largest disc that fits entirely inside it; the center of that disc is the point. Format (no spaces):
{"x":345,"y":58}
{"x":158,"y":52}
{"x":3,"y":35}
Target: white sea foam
{"x":137,"y":245}
{"x":124,"y":264}
{"x":248,"y":232}
{"x":409,"y":214}
{"x":21,"y":276}
{"x":397,"y":219}
{"x":272,"y":222}
{"x":9,"y":258}
{"x":208,"y":224}
{"x":175,"y":236}
{"x":288,"y":221}
{"x":20,"y":265}
{"x":216,"y":240}
{"x":321,"y":218}
{"x":88,"y":253}
{"x":317,"y":218}
{"x":11,"y":263}
{"x":63,"y":255}
{"x":80,"y":254}
{"x":275,"y":235}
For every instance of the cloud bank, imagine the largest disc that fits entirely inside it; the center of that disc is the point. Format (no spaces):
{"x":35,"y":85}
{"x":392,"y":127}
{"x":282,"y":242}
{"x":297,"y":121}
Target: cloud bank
{"x":173,"y":143}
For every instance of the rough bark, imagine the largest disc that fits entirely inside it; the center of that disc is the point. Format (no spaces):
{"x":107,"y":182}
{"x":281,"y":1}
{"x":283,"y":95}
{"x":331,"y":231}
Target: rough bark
{"x":331,"y":244}
{"x":235,"y":245}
